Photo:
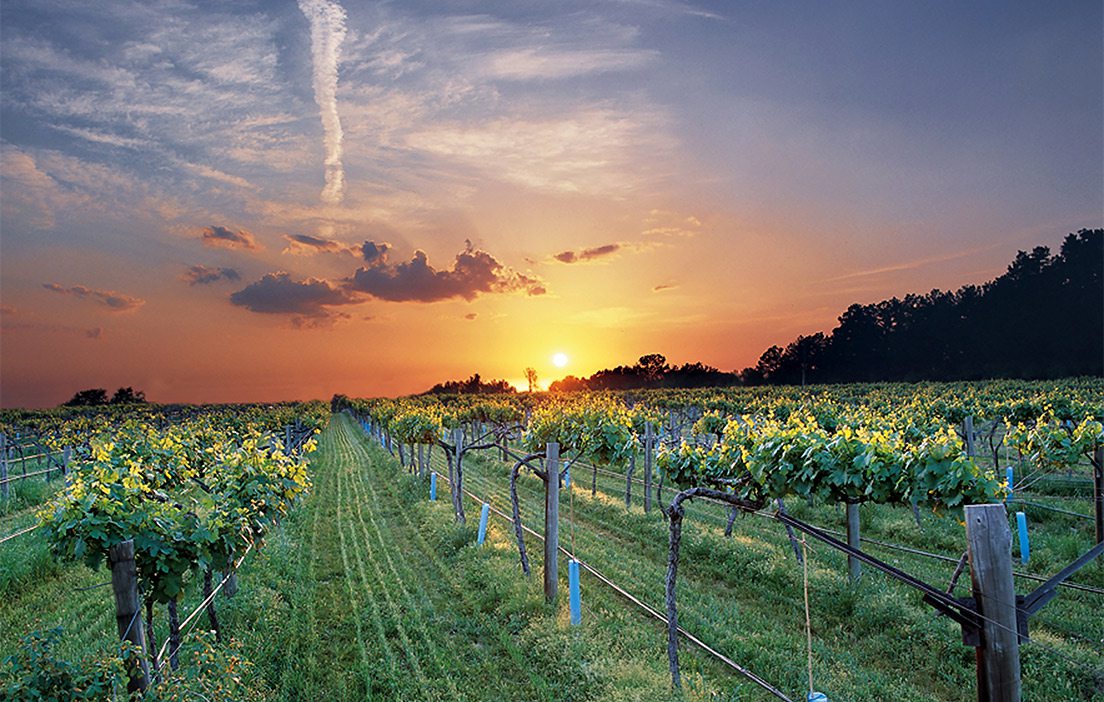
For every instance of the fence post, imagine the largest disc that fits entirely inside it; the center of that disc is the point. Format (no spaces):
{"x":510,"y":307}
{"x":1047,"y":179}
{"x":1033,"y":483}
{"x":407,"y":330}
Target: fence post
{"x":854,"y":566}
{"x":66,"y":457}
{"x":649,"y":446}
{"x":128,"y":616}
{"x":968,"y":434}
{"x":287,"y":439}
{"x":1098,"y":489}
{"x":551,"y":521}
{"x":457,"y":485}
{"x":989,"y":540}
{"x":3,"y":466}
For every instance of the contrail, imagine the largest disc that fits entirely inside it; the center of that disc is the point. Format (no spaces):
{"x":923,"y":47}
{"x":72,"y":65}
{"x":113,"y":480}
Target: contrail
{"x":327,"y":23}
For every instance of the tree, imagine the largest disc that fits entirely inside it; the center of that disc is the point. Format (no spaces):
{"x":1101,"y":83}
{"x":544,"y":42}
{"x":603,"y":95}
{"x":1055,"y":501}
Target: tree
{"x":127,"y":396}
{"x":531,"y":378}
{"x":88,"y":398}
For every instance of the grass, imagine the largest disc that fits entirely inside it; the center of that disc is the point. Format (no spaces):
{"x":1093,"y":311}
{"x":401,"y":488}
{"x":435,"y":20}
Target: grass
{"x":743,"y":595}
{"x":369,"y":591}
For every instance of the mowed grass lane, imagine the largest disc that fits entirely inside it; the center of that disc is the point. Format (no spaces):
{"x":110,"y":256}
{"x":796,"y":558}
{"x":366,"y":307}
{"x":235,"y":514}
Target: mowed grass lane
{"x":369,"y":591}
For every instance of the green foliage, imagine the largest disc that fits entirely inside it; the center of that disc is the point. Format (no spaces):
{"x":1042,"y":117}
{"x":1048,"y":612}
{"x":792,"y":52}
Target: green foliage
{"x":35,"y":672}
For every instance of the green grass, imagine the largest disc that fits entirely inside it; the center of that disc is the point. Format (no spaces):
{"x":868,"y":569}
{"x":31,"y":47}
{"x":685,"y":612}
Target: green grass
{"x":743,"y":595}
{"x":369,"y":591}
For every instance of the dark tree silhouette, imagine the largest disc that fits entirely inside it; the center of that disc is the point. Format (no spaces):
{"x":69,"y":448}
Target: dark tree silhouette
{"x":86,"y":398}
{"x":127,"y":396}
{"x":474,"y":385}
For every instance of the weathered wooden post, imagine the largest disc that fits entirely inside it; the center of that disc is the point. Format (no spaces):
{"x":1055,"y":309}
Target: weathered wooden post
{"x":457,"y":484}
{"x":551,"y":521}
{"x":3,"y":466}
{"x":649,"y":448}
{"x":128,"y":617}
{"x":66,"y":457}
{"x":287,"y":439}
{"x":968,"y":434}
{"x":989,"y":540}
{"x":854,"y":566}
{"x":1098,"y":490}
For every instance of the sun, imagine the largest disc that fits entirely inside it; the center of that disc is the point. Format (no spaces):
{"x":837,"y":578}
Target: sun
{"x":559,"y":359}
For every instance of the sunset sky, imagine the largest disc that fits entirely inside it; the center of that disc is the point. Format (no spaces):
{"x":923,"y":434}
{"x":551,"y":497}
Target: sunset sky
{"x":254,"y":201}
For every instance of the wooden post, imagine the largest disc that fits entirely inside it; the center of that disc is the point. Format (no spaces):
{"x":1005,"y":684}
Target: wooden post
{"x":989,"y":542}
{"x":458,"y":483}
{"x":551,"y":521}
{"x":1098,"y":490}
{"x":287,"y":439}
{"x":3,"y":467}
{"x":968,"y":434}
{"x":854,"y":566}
{"x":128,"y":616}
{"x":421,"y":460}
{"x":67,"y":456}
{"x":649,"y":446}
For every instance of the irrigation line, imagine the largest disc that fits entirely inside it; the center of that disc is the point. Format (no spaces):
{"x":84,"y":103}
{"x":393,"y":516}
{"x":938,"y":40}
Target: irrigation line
{"x":206,"y":601}
{"x":885,"y":544}
{"x":13,"y":478}
{"x":621,"y":591}
{"x":1051,"y":509}
{"x":28,"y":530}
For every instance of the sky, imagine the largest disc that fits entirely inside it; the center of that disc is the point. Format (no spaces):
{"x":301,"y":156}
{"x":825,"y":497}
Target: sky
{"x":260,"y":201}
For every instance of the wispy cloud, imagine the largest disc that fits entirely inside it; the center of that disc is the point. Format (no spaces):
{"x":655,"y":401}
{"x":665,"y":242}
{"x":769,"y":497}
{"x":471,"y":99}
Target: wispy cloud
{"x":664,"y":286}
{"x":587,"y":254}
{"x":307,"y":245}
{"x":327,"y":29}
{"x":115,"y":301}
{"x":908,"y":265}
{"x":225,"y":238}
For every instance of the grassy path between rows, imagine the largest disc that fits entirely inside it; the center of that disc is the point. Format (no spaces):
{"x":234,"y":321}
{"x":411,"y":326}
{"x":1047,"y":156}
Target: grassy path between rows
{"x":369,"y":591}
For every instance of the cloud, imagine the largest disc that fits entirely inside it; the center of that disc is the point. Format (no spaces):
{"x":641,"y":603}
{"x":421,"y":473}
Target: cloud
{"x":593,"y":150}
{"x":664,"y":286}
{"x":327,"y":29}
{"x":203,"y":275}
{"x":95,"y":333}
{"x":544,"y":63}
{"x":307,"y":245}
{"x":661,"y":223}
{"x":909,"y":265}
{"x":473,"y":272}
{"x":470,"y":316}
{"x":277,"y":293}
{"x":116,"y":301}
{"x":375,"y":253}
{"x":221,"y":237}
{"x":587,"y":254}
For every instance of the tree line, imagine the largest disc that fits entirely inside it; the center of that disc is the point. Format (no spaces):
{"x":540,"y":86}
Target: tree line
{"x":1043,"y":318}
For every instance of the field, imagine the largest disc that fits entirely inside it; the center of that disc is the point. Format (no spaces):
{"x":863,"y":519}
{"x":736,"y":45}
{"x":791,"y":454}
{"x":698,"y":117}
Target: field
{"x":366,"y":589}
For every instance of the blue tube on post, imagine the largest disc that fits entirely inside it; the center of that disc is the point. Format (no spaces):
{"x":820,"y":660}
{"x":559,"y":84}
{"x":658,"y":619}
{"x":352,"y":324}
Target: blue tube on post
{"x":483,"y":516}
{"x":567,"y":478}
{"x":432,"y":486}
{"x":1009,"y":476}
{"x":1025,"y":547}
{"x":573,"y":588}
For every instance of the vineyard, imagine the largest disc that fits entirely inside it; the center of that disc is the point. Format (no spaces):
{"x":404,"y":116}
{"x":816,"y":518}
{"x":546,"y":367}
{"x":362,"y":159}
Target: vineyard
{"x":708,"y":544}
